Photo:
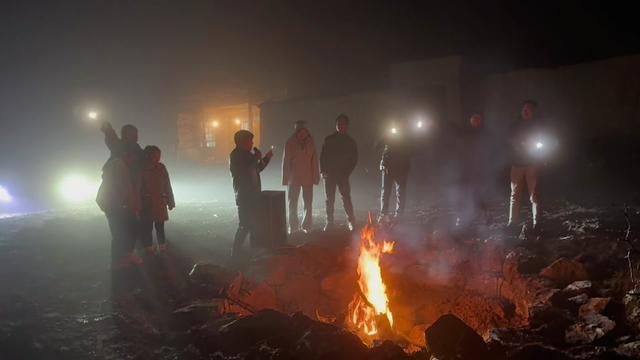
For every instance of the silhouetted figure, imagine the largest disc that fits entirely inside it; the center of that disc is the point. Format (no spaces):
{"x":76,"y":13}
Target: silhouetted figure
{"x":119,"y":199}
{"x":525,"y":167}
{"x":157,"y":197}
{"x":338,"y":159}
{"x":127,"y":148}
{"x":245,"y":167}
{"x":300,"y":171}
{"x":394,"y":167}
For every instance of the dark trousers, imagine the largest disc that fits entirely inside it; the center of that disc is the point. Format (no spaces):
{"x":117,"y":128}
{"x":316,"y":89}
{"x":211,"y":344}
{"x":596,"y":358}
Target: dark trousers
{"x":122,"y":225}
{"x":391,"y":180}
{"x":146,"y":232}
{"x":246,"y":223}
{"x":343,"y":185}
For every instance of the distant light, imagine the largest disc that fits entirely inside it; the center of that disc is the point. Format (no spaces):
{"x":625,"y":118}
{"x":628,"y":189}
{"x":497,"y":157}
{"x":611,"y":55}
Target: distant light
{"x":215,"y":123}
{"x":394,"y":130}
{"x":238,"y":122}
{"x":5,"y":197}
{"x":76,"y":188}
{"x":539,"y":145}
{"x":420,"y":124}
{"x":92,"y":115}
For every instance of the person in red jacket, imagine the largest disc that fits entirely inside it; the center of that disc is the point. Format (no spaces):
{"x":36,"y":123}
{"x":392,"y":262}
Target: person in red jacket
{"x":157,"y":197}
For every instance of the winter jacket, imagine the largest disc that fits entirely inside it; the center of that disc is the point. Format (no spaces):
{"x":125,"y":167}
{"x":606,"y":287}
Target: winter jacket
{"x":300,"y":163}
{"x":339,"y":155}
{"x":157,"y":193}
{"x":118,"y":189}
{"x":396,"y":155}
{"x":245,"y":170}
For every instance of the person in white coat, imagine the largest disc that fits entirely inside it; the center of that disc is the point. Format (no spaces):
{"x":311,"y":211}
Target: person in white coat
{"x":300,"y":171}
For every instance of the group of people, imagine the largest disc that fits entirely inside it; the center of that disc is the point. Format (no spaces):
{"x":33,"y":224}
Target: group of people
{"x":302,"y":168}
{"x":135,"y":195}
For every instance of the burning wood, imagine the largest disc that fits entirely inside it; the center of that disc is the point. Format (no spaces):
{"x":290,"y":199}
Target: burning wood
{"x":371,"y":302}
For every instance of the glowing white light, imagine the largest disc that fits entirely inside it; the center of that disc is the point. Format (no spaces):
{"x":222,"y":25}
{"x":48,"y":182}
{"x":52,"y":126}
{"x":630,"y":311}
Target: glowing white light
{"x":5,"y":197}
{"x":76,"y":188}
{"x":420,"y":124}
{"x":238,"y":122}
{"x":215,"y":123}
{"x":539,"y":145}
{"x":394,"y":130}
{"x":92,"y":115}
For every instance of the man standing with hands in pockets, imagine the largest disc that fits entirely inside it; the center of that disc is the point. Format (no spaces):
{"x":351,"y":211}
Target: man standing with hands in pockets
{"x":338,"y":159}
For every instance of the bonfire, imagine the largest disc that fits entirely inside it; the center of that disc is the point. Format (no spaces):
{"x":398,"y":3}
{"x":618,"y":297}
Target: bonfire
{"x":369,"y":314}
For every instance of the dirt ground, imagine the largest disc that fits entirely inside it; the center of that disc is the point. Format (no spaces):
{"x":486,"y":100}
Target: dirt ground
{"x":56,"y":285}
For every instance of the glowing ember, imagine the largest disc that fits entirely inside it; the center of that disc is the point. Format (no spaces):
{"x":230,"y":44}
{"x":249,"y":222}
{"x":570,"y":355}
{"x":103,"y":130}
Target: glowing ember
{"x":372,"y":301}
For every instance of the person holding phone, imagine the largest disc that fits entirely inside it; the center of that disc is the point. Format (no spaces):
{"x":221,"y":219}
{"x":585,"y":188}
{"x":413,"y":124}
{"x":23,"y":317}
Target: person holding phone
{"x":245,"y":166}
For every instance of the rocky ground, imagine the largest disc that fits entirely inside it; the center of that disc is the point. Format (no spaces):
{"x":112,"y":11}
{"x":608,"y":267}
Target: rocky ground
{"x":559,"y":295}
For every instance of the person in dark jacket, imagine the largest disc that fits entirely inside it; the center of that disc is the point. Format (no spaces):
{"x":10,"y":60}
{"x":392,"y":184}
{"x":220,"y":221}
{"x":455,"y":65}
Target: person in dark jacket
{"x":338,"y":159}
{"x":119,"y":193}
{"x":525,"y":168}
{"x":157,"y":198}
{"x":394,"y":167}
{"x":119,"y":200}
{"x":245,"y":167}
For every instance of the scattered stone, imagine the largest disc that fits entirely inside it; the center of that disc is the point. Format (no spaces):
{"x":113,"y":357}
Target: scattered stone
{"x":537,"y":352}
{"x":513,"y":338}
{"x":631,"y":303}
{"x":631,"y":349}
{"x":591,"y":328}
{"x":450,"y":338}
{"x":551,"y":323}
{"x":564,"y":272}
{"x":578,"y":288}
{"x":594,"y":306}
{"x":578,"y":300}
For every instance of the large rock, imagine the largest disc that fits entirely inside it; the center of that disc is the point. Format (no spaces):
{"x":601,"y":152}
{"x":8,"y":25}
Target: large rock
{"x":594,"y":306}
{"x":564,"y":271}
{"x":318,"y":340}
{"x":590,"y":329}
{"x":450,"y":338}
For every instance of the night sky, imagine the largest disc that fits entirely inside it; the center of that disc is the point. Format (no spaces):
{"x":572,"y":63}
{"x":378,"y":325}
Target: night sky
{"x":136,"y":59}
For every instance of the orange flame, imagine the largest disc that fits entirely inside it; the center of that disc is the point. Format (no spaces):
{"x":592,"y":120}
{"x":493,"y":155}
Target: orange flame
{"x":363,"y":312}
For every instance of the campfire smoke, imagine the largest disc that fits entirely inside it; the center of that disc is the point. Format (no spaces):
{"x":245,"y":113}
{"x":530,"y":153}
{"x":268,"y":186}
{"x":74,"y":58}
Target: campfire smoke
{"x":369,"y":313}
